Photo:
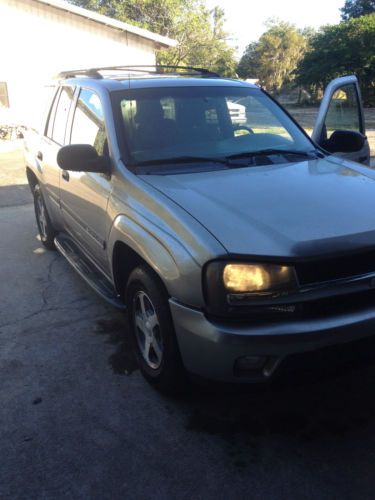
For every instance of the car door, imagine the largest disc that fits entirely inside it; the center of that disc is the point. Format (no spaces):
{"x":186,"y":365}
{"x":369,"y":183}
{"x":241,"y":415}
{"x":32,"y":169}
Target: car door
{"x":52,"y":139}
{"x":84,"y":195}
{"x":340,"y":125}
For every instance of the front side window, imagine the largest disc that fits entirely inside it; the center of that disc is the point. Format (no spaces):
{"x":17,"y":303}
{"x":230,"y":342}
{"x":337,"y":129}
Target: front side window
{"x":58,"y":127}
{"x":167,"y":123}
{"x":88,"y":122}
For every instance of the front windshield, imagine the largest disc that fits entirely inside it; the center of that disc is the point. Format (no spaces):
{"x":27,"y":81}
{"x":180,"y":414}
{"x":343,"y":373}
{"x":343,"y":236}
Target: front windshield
{"x":208,"y":122}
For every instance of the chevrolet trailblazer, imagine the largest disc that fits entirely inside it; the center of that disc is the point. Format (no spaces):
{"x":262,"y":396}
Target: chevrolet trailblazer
{"x":232,"y":243}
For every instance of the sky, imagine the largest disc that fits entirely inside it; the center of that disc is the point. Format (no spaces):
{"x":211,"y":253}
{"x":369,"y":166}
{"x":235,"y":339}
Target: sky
{"x":245,"y":18}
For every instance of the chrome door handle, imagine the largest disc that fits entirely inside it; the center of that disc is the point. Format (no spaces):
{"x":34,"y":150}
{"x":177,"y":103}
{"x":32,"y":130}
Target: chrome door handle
{"x":39,"y":155}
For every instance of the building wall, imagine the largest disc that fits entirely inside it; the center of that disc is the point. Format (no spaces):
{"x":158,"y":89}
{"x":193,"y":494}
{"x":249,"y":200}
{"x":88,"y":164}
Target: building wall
{"x":38,"y":41}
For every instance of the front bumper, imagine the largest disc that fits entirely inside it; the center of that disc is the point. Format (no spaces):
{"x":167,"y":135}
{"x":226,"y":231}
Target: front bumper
{"x":210,"y":349}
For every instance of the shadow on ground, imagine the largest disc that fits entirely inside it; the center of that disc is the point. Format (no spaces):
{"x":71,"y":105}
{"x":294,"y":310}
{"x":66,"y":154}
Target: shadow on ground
{"x":310,"y":406}
{"x":318,"y":399}
{"x":18,"y":194}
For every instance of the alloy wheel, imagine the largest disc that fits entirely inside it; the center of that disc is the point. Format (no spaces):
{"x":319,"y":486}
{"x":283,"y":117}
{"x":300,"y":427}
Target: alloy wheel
{"x":42,"y":217}
{"x":147,"y":330}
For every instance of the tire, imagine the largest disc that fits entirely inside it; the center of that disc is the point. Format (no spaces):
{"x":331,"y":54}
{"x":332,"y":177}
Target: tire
{"x":47,"y":232}
{"x":152,"y":332}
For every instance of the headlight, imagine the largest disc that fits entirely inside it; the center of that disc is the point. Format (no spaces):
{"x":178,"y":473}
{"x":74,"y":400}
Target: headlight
{"x":233,"y":286}
{"x":247,"y":278}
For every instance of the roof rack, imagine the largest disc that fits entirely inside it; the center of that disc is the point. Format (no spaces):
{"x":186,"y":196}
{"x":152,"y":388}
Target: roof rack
{"x":91,"y":73}
{"x":159,"y":69}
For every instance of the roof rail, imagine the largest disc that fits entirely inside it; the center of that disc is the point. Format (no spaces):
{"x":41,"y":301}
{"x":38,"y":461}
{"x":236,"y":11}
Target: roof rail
{"x":159,"y":69}
{"x":91,"y":73}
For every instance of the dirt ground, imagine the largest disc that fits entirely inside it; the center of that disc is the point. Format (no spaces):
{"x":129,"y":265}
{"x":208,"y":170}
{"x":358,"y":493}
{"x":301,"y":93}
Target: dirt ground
{"x":14,"y":189}
{"x":12,"y":167}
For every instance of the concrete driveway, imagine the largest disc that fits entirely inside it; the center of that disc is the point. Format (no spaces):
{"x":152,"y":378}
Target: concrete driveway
{"x":77,"y":420}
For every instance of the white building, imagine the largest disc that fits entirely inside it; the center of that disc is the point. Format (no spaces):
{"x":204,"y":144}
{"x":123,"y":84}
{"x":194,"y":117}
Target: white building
{"x":40,"y":38}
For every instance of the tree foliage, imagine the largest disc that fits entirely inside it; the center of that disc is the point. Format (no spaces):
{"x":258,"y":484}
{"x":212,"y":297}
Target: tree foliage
{"x":274,"y":58}
{"x":342,"y":49}
{"x":357,"y":8}
{"x":202,"y":41}
{"x":200,"y":32}
{"x":157,"y":16}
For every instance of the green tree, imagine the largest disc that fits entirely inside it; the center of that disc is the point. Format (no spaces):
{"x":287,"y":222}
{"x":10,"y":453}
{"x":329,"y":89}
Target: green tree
{"x":342,"y":49}
{"x":274,"y":58}
{"x":248,"y":66}
{"x":202,"y":40}
{"x":357,"y":8}
{"x":157,"y":16}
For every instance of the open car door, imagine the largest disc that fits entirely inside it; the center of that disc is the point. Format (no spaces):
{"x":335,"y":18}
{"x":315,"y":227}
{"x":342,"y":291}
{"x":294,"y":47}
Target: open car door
{"x":340,"y":125}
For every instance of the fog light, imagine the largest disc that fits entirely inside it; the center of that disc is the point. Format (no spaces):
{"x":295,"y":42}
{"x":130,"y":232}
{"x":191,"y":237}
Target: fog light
{"x":248,"y":363}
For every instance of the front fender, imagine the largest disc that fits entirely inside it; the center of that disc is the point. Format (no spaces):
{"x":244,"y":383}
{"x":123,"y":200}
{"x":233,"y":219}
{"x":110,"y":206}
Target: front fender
{"x":166,"y":255}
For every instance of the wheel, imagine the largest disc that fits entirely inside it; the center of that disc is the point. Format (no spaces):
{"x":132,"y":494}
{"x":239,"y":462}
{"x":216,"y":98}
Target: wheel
{"x":46,"y":230}
{"x":152,"y":332}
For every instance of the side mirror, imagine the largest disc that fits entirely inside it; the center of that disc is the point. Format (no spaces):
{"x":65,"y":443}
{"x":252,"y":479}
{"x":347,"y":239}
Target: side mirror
{"x":344,"y":141}
{"x":82,"y":158}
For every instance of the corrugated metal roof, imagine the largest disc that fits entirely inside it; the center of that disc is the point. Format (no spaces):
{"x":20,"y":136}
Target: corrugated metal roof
{"x":112,"y":23}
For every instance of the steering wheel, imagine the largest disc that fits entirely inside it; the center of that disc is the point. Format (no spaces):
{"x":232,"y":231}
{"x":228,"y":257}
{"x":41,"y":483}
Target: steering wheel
{"x":243,"y":127}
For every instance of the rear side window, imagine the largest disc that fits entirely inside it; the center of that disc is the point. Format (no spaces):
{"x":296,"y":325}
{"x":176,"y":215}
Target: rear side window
{"x":50,"y":109}
{"x":88,"y":123}
{"x":61,"y":117}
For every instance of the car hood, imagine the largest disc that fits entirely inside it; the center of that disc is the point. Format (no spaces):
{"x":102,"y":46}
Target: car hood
{"x":291,"y":210}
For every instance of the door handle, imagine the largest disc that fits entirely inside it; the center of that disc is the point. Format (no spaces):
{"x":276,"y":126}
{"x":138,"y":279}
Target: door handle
{"x":39,"y":155}
{"x":65,"y":175}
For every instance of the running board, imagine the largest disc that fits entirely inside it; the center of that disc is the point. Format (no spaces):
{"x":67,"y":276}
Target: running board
{"x":87,"y":270}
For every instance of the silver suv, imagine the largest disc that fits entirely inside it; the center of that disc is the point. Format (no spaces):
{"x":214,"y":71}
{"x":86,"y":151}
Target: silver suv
{"x":232,"y":243}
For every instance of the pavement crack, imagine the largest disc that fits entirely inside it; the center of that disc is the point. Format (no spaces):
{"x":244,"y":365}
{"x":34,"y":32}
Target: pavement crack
{"x":49,"y":279}
{"x":47,"y":310}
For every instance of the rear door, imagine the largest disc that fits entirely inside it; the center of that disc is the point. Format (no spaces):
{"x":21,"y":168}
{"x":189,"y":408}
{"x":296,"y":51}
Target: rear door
{"x":53,"y":138}
{"x":341,"y":111}
{"x":84,"y":195}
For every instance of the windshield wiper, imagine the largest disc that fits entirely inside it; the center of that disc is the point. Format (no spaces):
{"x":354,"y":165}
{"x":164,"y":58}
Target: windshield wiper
{"x":272,"y":151}
{"x":181,"y":159}
{"x":227,"y":160}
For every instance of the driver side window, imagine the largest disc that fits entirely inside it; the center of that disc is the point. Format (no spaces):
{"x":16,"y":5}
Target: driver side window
{"x":343,"y":112}
{"x":88,"y":123}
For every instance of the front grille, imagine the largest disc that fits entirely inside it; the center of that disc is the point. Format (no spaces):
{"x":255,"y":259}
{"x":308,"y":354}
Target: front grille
{"x":318,"y":308}
{"x":336,"y":267}
{"x":339,"y":304}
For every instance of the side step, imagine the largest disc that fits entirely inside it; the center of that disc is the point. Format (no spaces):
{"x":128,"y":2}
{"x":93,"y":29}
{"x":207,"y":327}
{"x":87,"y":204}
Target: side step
{"x":87,"y":270}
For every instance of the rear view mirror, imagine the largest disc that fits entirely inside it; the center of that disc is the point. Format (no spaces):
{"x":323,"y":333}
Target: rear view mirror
{"x":82,"y":158}
{"x":344,"y":141}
